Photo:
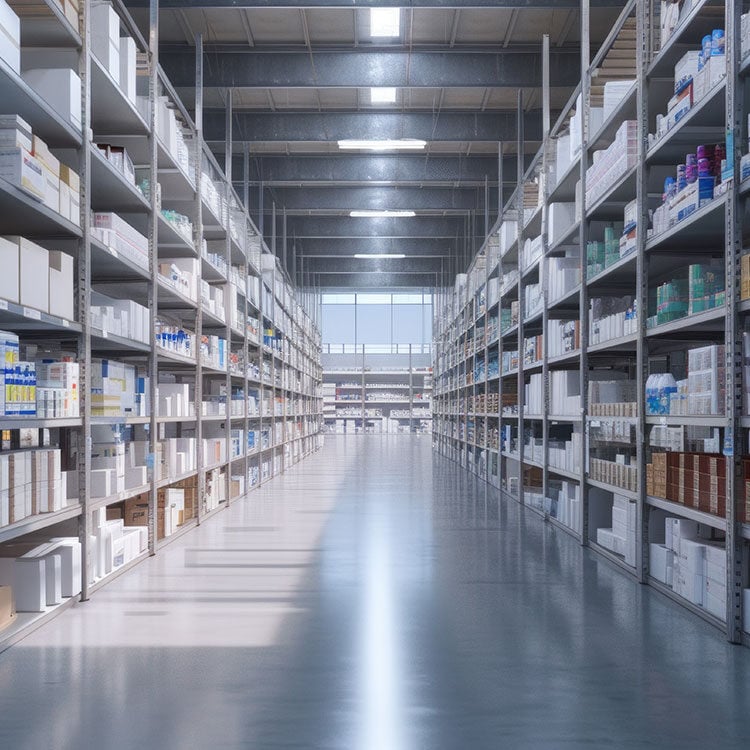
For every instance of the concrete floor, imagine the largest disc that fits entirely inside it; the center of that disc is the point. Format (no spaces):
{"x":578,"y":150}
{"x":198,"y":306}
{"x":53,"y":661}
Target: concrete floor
{"x":375,"y":598}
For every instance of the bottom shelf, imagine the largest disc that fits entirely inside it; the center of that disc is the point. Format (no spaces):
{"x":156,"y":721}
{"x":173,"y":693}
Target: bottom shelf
{"x":26,"y":623}
{"x":117,"y":572}
{"x":694,"y":608}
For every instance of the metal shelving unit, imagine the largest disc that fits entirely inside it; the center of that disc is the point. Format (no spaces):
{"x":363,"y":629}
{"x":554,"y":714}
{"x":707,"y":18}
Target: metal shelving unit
{"x":518,"y":458}
{"x":293,"y":348}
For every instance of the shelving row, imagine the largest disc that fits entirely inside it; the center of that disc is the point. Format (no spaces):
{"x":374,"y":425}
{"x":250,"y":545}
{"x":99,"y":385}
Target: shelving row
{"x":156,"y":364}
{"x":591,"y":363}
{"x":371,"y":392}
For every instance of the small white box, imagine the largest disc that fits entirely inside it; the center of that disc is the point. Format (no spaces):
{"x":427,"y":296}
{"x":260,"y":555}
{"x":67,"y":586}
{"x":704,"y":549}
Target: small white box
{"x":20,"y":168}
{"x":61,"y":87}
{"x":101,"y":484}
{"x":61,"y":287}
{"x":34,"y":266}
{"x":127,"y":67}
{"x":9,"y":278}
{"x":70,"y":554}
{"x":27,"y":577}
{"x":10,"y":37}
{"x":105,"y":37}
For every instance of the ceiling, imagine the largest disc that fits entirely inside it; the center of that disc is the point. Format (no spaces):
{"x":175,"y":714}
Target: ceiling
{"x":299,"y":75}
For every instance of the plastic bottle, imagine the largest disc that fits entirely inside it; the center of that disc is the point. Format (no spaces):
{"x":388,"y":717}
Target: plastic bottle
{"x":667,"y":386}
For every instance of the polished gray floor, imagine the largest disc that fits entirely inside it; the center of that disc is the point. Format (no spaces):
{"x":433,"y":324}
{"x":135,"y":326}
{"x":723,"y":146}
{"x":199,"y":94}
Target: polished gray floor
{"x":375,"y":598}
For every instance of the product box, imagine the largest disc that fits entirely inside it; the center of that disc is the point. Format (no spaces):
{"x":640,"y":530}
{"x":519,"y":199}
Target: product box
{"x":34,"y":265}
{"x":105,"y":37}
{"x":7,"y":607}
{"x":127,"y":67}
{"x":21,"y":169}
{"x":9,"y":278}
{"x":61,"y":88}
{"x":10,"y":37}
{"x":27,"y":578}
{"x":61,"y":285}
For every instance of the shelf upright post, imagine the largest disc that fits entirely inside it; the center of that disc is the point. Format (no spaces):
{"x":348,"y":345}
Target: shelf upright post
{"x":200,"y":458}
{"x":644,"y":14}
{"x":583,"y":300}
{"x":363,"y":394}
{"x":520,"y":389}
{"x":543,"y":269}
{"x":84,"y":300}
{"x":733,"y":332}
{"x":228,"y":153}
{"x":411,"y":392}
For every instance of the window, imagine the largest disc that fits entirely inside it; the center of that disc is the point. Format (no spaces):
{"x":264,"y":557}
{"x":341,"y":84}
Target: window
{"x":385,"y":22}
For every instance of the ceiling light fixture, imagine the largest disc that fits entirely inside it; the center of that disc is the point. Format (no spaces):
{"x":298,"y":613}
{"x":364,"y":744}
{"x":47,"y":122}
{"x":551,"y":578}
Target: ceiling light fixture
{"x":380,"y":214}
{"x":383,"y":95}
{"x":403,"y":144}
{"x":397,"y":256}
{"x":385,"y":22}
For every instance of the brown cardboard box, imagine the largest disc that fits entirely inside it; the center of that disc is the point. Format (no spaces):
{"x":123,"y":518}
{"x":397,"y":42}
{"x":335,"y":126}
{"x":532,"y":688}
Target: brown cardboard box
{"x":114,"y":513}
{"x":7,"y":607}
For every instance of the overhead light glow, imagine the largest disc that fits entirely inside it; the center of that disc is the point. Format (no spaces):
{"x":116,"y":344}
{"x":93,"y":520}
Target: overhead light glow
{"x":375,"y":214}
{"x":380,"y":255}
{"x":403,"y":144}
{"x":383,"y":95}
{"x":385,"y":22}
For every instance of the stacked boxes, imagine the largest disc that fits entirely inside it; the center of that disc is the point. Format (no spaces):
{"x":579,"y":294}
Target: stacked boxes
{"x":172,"y":337}
{"x":611,"y":318}
{"x":10,"y":37}
{"x":620,"y":539}
{"x":564,"y":337}
{"x":565,"y":392}
{"x":120,"y":317}
{"x":613,"y":162}
{"x":116,"y":234}
{"x":113,"y":544}
{"x":617,"y":473}
{"x":31,"y":482}
{"x":175,"y":400}
{"x":612,"y":398}
{"x":118,"y":390}
{"x":182,"y":274}
{"x":563,"y":275}
{"x":565,"y":454}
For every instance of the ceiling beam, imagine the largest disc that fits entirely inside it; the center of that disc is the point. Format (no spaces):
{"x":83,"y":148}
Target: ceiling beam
{"x":526,"y":4}
{"x":346,"y":227}
{"x":333,"y":126}
{"x":352,"y":281}
{"x":333,"y":266}
{"x":360,"y":169}
{"x":339,"y":247}
{"x":333,"y":199}
{"x":363,"y":68}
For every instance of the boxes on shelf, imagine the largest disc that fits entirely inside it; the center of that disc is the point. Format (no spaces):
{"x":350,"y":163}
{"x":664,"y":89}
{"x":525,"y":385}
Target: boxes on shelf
{"x":10,"y":37}
{"x":61,"y":89}
{"x":127,"y":71}
{"x":20,"y":168}
{"x":120,"y":317}
{"x":114,"y":232}
{"x":620,"y":539}
{"x":105,"y":37}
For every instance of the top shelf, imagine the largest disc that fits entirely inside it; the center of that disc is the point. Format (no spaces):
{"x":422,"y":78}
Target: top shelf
{"x":44,"y":24}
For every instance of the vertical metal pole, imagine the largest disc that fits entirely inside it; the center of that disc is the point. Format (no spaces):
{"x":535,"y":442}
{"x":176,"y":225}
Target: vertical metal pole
{"x":261,"y":211}
{"x":153,"y":292}
{"x":583,"y":311}
{"x":543,"y":271}
{"x":486,"y":207}
{"x":733,"y":442}
{"x":84,"y":300}
{"x":246,"y":176}
{"x":199,"y":236}
{"x":228,"y":138}
{"x":643,"y":30}
{"x":500,"y":184}
{"x":521,"y":292}
{"x":283,"y":241}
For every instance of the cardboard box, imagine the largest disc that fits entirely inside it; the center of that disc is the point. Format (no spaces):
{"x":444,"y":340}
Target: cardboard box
{"x":105,"y":37}
{"x":7,"y":607}
{"x":61,"y":285}
{"x":21,"y":169}
{"x":61,"y":87}
{"x":9,"y":263}
{"x":27,"y":578}
{"x":10,"y":37}
{"x":127,"y":67}
{"x":34,"y":266}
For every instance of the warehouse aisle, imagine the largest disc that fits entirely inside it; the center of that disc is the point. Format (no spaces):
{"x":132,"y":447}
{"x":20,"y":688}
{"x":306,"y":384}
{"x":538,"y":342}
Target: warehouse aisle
{"x":374,"y":598}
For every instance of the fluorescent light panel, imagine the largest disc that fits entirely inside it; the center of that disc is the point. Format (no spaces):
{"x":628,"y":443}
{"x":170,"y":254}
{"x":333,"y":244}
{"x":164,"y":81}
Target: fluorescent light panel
{"x":385,"y":22}
{"x":380,"y":255}
{"x":383,"y":95}
{"x":403,"y":144}
{"x":380,"y":214}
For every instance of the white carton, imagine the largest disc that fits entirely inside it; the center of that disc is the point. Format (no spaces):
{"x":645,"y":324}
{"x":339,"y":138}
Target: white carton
{"x":34,"y":265}
{"x":127,"y":67}
{"x":10,"y":37}
{"x":61,"y":88}
{"x":61,"y":295}
{"x":105,"y":37}
{"x":20,"y":168}
{"x":9,"y":278}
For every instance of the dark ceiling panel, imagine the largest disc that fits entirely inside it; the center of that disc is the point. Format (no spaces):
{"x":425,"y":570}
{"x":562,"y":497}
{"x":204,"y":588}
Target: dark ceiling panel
{"x":552,"y":4}
{"x":365,"y":68}
{"x":334,"y":126}
{"x":345,"y":226}
{"x":339,"y":247}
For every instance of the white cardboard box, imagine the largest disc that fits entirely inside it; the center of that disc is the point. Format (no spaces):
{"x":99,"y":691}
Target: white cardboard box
{"x":61,"y":286}
{"x":20,"y":168}
{"x":10,"y":37}
{"x":61,"y":87}
{"x":105,"y":37}
{"x":9,"y":278}
{"x":70,"y":554}
{"x":127,"y":67}
{"x":27,"y":577}
{"x":34,"y":266}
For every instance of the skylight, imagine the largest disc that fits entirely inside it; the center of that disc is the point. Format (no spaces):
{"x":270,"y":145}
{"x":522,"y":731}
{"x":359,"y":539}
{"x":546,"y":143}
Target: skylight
{"x":385,"y":22}
{"x":383,"y":95}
